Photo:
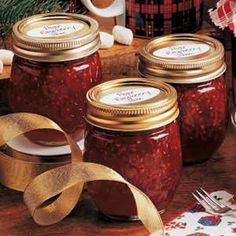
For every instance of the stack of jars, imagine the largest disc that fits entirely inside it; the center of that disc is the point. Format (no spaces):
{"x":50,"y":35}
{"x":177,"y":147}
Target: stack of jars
{"x":131,"y":124}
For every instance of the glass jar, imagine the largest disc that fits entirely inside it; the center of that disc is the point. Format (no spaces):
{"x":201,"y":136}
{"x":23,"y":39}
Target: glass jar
{"x":56,"y":62}
{"x":194,"y":65}
{"x":132,"y":128}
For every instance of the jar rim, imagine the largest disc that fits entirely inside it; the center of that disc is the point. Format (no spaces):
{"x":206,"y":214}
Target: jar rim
{"x":131,"y":104}
{"x":182,"y":58}
{"x":55,"y":37}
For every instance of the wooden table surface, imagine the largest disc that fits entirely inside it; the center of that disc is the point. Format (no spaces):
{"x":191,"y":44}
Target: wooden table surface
{"x":217,"y":173}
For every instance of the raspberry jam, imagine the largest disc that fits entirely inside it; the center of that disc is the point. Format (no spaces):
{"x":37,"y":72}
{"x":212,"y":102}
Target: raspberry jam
{"x":194,"y":65}
{"x":138,"y":136}
{"x":203,"y":118}
{"x":56,"y":90}
{"x":52,"y":76}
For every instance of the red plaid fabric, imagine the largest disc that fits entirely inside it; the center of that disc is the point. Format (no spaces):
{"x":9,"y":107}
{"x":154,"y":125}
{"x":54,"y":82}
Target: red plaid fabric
{"x":150,"y":18}
{"x":224,"y":15}
{"x":76,"y":6}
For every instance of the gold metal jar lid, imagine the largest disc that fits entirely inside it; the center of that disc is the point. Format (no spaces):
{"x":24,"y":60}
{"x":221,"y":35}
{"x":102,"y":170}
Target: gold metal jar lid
{"x":131,"y":104}
{"x":55,"y":37}
{"x":182,"y":58}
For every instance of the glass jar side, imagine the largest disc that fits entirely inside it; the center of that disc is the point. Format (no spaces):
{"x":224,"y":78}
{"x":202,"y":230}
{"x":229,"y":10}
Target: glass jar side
{"x":151,"y":160}
{"x":203,"y":118}
{"x":56,"y":90}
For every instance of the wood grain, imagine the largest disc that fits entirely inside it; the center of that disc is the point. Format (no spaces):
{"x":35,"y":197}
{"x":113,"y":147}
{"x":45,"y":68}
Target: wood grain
{"x":217,"y":173}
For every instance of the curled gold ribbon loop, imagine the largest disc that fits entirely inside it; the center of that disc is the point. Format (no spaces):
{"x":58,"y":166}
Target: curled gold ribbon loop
{"x":17,"y":124}
{"x":67,"y":180}
{"x":14,"y":173}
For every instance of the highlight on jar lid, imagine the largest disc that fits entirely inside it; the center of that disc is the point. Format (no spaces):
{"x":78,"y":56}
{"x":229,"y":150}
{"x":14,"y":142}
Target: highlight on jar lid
{"x":182,"y":58}
{"x":55,"y":37}
{"x":131,"y":104}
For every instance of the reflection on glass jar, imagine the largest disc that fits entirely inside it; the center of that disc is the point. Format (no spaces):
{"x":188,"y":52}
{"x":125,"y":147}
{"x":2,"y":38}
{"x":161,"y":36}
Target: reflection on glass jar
{"x":56,"y":63}
{"x":194,"y":65}
{"x":204,"y":118}
{"x":132,"y":128}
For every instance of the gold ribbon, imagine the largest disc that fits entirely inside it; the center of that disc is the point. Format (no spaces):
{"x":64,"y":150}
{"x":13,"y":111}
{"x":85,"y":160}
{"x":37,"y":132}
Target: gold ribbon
{"x":18,"y":169}
{"x":66,"y":180}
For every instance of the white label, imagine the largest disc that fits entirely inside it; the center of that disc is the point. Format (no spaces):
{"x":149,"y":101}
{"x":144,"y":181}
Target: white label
{"x":182,"y":50}
{"x":55,"y":30}
{"x":130,"y":96}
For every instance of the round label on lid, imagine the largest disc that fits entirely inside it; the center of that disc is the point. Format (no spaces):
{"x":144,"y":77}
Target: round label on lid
{"x":52,"y":30}
{"x":130,"y":96}
{"x":131,"y":104}
{"x":55,"y":37}
{"x":182,"y":51}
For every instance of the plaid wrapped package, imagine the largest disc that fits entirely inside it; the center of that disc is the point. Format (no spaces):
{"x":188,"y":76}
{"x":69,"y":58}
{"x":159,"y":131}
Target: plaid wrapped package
{"x":150,"y":18}
{"x":224,"y":14}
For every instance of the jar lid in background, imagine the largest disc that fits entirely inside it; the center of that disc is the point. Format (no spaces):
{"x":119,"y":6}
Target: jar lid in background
{"x":182,"y":58}
{"x":131,"y":104}
{"x":55,"y":37}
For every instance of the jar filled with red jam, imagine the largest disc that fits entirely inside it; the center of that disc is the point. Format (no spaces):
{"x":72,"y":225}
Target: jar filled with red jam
{"x":194,"y":65}
{"x":56,"y":62}
{"x":132,"y":129}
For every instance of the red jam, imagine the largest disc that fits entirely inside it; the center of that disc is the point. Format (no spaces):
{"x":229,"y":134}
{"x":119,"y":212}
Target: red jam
{"x":4,"y":106}
{"x":56,"y":90}
{"x":151,"y":160}
{"x":56,"y":62}
{"x":194,"y":65}
{"x":203,"y":118}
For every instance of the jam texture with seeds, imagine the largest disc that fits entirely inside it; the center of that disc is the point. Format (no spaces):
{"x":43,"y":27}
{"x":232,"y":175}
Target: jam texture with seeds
{"x":150,"y":160}
{"x":203,"y":118}
{"x":56,"y":90}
